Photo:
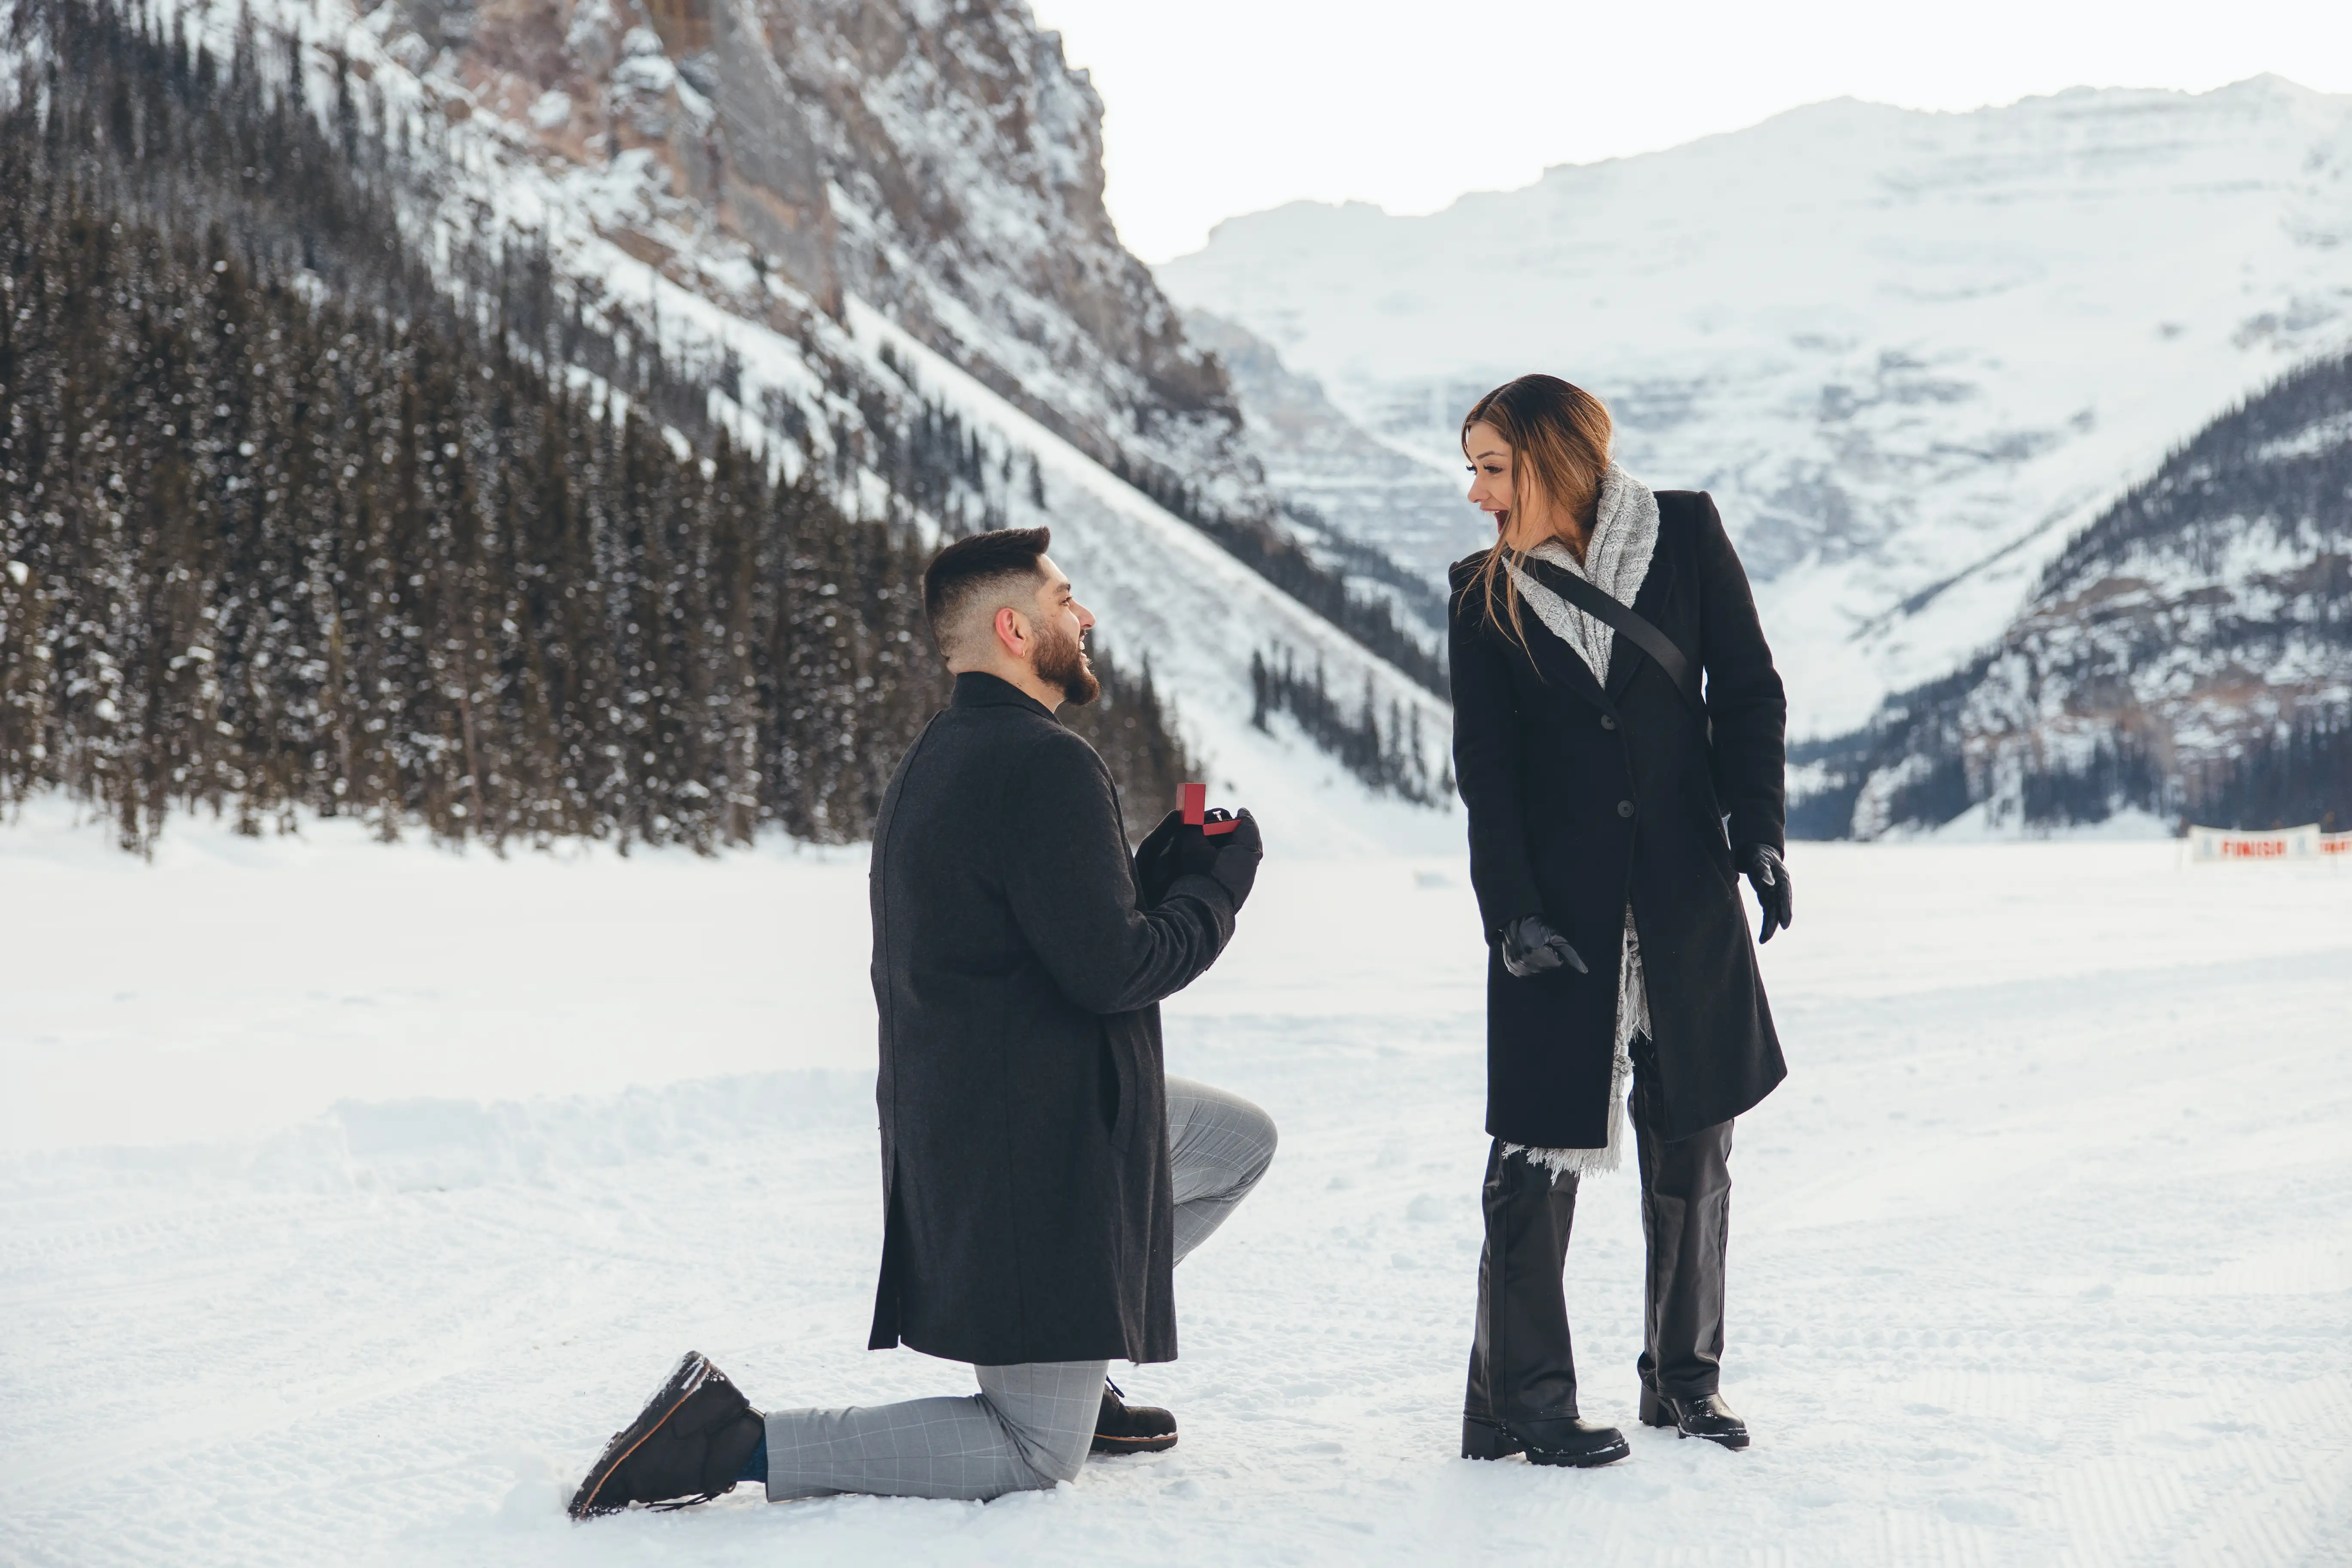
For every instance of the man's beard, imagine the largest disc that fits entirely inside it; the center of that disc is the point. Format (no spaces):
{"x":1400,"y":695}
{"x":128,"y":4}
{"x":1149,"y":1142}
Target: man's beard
{"x":1062,"y":661}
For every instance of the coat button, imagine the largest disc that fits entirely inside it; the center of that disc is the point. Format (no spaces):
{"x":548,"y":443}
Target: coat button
{"x":1607,"y":722}
{"x":1624,"y":809}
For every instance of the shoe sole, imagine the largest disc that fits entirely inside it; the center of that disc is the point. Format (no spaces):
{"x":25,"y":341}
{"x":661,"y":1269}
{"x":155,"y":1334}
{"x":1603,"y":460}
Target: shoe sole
{"x":1608,"y":1455}
{"x":1105,"y":1444}
{"x":694,"y":1370}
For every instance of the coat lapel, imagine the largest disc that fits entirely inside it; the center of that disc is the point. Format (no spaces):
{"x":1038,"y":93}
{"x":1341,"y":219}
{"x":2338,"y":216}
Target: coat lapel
{"x":1625,"y":655}
{"x":1558,"y":665}
{"x":1624,"y":659}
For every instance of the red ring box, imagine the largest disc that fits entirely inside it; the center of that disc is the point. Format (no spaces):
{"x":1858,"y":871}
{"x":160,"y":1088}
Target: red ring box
{"x":1195,"y":800}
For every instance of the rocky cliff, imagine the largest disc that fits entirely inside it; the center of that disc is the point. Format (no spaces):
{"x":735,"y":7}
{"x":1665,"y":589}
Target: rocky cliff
{"x":938,"y":159}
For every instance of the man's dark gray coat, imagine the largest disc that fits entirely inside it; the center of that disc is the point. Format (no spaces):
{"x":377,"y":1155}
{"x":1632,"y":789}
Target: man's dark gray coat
{"x":1583,"y":795}
{"x":1024,"y":1118}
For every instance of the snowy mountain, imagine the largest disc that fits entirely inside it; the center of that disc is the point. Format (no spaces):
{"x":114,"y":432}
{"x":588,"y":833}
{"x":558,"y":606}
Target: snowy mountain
{"x":1911,"y":354}
{"x":1370,"y":510}
{"x":2189,"y":651}
{"x":845,"y":219}
{"x":947,"y":170}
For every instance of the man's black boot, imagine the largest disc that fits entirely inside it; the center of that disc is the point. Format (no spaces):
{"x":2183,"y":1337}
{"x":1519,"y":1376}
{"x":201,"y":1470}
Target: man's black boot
{"x":1552,"y":1440}
{"x":687,"y":1445}
{"x":1124,"y":1428}
{"x":1698,"y":1416}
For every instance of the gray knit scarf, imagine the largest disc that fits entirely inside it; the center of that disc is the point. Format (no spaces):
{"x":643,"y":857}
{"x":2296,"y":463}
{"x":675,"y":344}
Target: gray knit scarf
{"x":1616,"y":560}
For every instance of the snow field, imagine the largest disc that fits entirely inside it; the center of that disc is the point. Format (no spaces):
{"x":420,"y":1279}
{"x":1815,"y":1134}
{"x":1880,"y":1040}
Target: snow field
{"x":2041,"y":1255}
{"x":239,"y":985}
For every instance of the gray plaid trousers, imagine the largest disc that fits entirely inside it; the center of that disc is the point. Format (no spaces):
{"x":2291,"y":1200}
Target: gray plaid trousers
{"x":1029,"y":1426}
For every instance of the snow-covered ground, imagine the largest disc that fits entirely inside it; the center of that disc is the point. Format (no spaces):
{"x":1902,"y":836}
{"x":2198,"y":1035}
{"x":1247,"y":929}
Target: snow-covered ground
{"x":353,"y":1194}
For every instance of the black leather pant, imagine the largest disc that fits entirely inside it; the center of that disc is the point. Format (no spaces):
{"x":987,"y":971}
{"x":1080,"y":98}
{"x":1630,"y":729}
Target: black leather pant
{"x":1520,"y":1364}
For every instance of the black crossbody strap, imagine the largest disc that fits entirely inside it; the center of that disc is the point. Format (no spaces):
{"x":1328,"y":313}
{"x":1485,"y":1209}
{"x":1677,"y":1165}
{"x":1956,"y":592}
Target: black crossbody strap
{"x":1585,"y":596}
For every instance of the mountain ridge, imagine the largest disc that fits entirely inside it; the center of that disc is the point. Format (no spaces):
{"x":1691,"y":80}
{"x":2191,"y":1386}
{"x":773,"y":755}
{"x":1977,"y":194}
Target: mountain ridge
{"x":2259,"y":80}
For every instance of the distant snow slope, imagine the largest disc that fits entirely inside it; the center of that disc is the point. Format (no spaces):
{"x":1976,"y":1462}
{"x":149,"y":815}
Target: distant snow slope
{"x":1340,"y":483}
{"x":1909,"y":352}
{"x":375,"y":1187}
{"x":1163,"y":588}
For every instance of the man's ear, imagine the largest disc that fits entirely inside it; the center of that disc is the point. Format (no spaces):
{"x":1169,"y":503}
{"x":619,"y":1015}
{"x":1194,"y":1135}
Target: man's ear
{"x":1012,"y":631}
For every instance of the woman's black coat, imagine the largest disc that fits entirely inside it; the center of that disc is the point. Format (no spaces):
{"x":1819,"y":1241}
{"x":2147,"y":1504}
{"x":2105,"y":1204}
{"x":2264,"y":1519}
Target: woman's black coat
{"x":1024,"y":1111}
{"x":1582,"y":797}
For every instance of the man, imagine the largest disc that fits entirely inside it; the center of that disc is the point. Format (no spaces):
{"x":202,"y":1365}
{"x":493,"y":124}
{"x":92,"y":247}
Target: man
{"x":1042,"y":1175}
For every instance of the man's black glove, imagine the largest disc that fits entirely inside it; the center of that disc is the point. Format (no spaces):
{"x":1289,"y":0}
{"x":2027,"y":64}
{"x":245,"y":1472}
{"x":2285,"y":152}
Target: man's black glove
{"x":1234,"y":857}
{"x":1775,"y":894}
{"x":1176,"y":848}
{"x":1155,"y":858}
{"x":1530,"y":947}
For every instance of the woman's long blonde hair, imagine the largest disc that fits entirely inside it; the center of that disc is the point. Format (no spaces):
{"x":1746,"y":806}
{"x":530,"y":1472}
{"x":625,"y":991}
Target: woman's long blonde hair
{"x":1558,"y":435}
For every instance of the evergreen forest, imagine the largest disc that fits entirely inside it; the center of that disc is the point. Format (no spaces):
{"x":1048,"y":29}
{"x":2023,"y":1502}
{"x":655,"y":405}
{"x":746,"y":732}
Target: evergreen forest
{"x":1383,"y":751}
{"x":291,"y":523}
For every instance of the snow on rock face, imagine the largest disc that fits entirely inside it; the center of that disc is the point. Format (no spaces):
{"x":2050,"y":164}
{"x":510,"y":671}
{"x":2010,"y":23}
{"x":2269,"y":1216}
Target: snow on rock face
{"x":1910,"y":353}
{"x":946,"y":168}
{"x":1329,"y":468}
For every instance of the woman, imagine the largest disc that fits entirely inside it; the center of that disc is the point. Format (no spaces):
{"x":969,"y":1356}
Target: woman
{"x":1608,"y":804}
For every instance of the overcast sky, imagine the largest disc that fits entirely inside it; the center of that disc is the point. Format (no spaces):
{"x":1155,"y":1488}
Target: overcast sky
{"x":1220,"y":107}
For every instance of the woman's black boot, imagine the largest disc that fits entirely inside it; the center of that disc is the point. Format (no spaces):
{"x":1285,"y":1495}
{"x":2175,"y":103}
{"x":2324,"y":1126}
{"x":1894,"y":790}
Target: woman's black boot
{"x":1699,"y":1416}
{"x":1551,"y":1440}
{"x":1521,"y":1359}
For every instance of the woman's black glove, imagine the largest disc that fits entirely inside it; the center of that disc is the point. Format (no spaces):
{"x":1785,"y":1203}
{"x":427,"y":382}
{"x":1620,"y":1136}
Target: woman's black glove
{"x":1530,"y":947}
{"x":1775,"y":894}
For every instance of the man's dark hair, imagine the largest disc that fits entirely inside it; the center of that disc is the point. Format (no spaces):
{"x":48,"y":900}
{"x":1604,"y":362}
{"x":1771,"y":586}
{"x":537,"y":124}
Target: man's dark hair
{"x":983,"y":565}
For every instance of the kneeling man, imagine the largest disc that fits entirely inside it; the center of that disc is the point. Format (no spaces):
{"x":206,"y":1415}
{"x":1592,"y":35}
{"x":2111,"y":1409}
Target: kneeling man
{"x":1042,"y":1174}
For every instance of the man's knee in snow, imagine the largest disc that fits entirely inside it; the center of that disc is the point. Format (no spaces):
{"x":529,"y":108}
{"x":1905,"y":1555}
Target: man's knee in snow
{"x":1259,"y":1128}
{"x":1064,"y":1467}
{"x":1051,"y":1456}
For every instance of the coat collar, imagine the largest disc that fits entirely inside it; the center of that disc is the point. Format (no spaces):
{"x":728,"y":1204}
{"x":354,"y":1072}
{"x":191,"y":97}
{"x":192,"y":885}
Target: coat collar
{"x":978,"y":688}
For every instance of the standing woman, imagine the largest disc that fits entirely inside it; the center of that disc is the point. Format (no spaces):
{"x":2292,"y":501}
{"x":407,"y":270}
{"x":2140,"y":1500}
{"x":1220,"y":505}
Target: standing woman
{"x":1611,"y":807}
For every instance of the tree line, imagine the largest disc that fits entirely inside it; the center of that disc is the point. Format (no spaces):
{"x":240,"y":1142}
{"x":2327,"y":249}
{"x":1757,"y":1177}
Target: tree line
{"x":2283,"y":781}
{"x":1285,"y":563}
{"x":1384,"y":752}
